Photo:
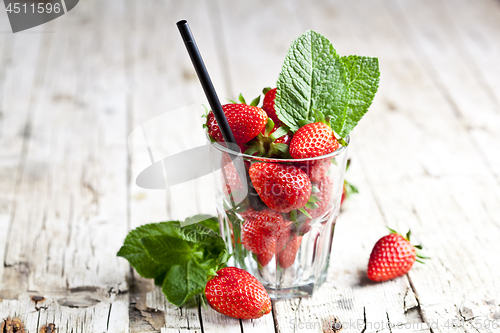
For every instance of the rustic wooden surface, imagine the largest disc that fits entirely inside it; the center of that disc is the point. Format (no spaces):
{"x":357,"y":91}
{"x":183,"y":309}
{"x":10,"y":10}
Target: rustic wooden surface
{"x":426,"y":156}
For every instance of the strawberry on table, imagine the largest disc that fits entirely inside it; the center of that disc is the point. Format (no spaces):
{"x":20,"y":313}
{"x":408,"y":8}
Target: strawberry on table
{"x":238,"y":294}
{"x":283,"y":188}
{"x":392,"y":256}
{"x":246,"y":122}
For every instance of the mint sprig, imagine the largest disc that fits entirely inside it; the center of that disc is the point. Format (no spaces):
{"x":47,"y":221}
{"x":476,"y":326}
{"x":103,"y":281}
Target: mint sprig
{"x":312,"y":78}
{"x":179,"y":258}
{"x":316,"y":81}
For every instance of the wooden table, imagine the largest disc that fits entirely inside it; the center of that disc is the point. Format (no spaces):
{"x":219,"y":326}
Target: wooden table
{"x":427,"y":156}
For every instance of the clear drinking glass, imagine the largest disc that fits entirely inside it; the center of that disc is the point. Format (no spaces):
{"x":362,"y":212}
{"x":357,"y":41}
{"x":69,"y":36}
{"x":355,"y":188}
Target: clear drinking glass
{"x":288,"y":252}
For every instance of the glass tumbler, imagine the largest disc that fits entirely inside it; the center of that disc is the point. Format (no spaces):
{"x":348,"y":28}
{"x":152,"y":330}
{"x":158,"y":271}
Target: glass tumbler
{"x":277,"y":216}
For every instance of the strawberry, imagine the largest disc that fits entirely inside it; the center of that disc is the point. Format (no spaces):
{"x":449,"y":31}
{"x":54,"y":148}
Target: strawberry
{"x":232,"y":180}
{"x":286,"y":257}
{"x":392,"y":256}
{"x":258,"y":233}
{"x":304,"y":228}
{"x":273,"y":141}
{"x":268,"y":105}
{"x":311,"y":140}
{"x":282,"y":236}
{"x":246,"y":122}
{"x":283,"y":188}
{"x":263,"y":233}
{"x":238,"y":294}
{"x":315,"y":169}
{"x":324,"y":195}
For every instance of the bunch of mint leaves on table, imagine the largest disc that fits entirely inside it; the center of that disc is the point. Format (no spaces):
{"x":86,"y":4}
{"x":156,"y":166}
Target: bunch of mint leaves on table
{"x":315,"y":85}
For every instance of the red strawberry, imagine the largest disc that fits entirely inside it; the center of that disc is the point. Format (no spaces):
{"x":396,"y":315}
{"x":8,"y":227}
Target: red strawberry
{"x":313,"y":140}
{"x":282,"y":237}
{"x":344,"y":195}
{"x":262,"y":233}
{"x":304,"y":228}
{"x":325,"y":186}
{"x":238,"y":294}
{"x":286,"y":139}
{"x":315,"y":169}
{"x":266,"y":143}
{"x":392,"y":256}
{"x":283,"y":188}
{"x":268,"y":105}
{"x":258,"y":233}
{"x":232,"y":180}
{"x":265,"y":258}
{"x":287,"y":256}
{"x":245,"y":121}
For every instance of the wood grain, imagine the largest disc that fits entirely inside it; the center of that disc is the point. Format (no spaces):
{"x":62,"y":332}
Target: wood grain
{"x":425,"y":157}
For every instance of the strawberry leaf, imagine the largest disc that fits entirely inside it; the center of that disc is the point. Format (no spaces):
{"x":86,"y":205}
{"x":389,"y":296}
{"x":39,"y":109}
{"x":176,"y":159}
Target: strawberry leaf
{"x":282,"y":147}
{"x":255,"y":101}
{"x":241,"y":99}
{"x":269,"y":126}
{"x":312,"y":205}
{"x":265,"y":90}
{"x":392,"y":230}
{"x":303,"y":211}
{"x":281,"y":131}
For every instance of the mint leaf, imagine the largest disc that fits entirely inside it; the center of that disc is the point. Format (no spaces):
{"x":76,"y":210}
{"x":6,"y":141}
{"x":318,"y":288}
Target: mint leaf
{"x":363,"y":77}
{"x":178,"y":257}
{"x":211,"y":223}
{"x":312,"y":78}
{"x":183,"y":282}
{"x":169,"y":250}
{"x":134,"y":252}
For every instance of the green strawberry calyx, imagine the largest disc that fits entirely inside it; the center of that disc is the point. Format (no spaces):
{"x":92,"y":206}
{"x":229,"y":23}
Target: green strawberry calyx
{"x":417,"y":247}
{"x":264,"y":144}
{"x":242,"y":100}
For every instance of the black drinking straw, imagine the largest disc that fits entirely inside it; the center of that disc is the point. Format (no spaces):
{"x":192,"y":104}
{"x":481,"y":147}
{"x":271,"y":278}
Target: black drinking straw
{"x":206,"y":83}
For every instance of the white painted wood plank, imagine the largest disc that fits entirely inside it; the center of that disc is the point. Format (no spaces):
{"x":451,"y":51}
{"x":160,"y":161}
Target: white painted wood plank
{"x":92,"y":316}
{"x":346,"y":295}
{"x":20,"y":58}
{"x":440,"y":145}
{"x":71,"y":214}
{"x":441,"y":53}
{"x":162,"y":79}
{"x":176,"y":319}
